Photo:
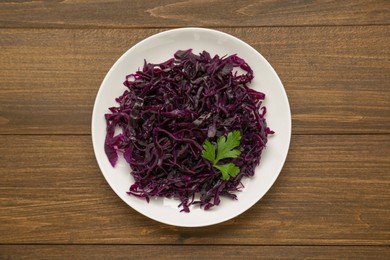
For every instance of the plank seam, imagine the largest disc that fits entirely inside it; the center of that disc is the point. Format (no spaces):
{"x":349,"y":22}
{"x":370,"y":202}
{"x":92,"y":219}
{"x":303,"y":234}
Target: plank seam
{"x":186,"y":26}
{"x":208,"y":245}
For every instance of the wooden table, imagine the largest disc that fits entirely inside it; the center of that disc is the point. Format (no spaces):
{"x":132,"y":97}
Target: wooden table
{"x":332,"y":199}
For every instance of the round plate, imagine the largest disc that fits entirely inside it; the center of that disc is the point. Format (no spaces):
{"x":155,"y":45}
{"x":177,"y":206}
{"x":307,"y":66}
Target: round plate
{"x":157,"y":49}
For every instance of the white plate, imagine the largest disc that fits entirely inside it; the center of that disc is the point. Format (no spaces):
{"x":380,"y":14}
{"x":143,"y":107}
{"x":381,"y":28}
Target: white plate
{"x":157,"y":49}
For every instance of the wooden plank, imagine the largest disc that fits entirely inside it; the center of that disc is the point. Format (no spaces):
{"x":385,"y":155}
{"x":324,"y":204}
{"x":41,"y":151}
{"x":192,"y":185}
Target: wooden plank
{"x":138,"y":13}
{"x":337,"y":78}
{"x":333,"y":190}
{"x":192,"y":252}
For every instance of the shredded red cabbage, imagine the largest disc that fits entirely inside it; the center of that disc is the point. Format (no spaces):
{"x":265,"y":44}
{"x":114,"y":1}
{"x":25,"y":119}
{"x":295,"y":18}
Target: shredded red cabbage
{"x":168,"y":112}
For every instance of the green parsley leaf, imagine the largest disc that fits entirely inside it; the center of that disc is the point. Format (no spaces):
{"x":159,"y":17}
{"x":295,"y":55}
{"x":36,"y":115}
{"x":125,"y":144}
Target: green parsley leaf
{"x":226,"y":145}
{"x":225,"y":149}
{"x":228,"y":170}
{"x":209,"y":151}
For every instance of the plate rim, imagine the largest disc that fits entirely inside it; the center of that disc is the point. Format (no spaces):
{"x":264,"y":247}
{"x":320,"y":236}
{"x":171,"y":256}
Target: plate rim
{"x":194,"y":29}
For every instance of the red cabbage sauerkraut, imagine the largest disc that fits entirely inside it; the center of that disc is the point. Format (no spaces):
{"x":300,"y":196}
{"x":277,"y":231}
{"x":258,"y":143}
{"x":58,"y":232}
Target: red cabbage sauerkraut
{"x":167,"y":113}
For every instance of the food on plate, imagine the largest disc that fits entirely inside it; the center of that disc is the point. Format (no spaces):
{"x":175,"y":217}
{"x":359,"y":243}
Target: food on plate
{"x":190,"y":128}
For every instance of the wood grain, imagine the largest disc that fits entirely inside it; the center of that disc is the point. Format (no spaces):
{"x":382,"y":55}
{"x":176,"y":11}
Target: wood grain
{"x":193,"y":252}
{"x":134,"y":14}
{"x":337,"y":78}
{"x":332,"y":198}
{"x":333,"y":190}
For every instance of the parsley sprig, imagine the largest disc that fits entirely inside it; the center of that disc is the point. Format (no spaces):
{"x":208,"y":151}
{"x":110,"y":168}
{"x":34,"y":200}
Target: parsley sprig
{"x":225,"y":149}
